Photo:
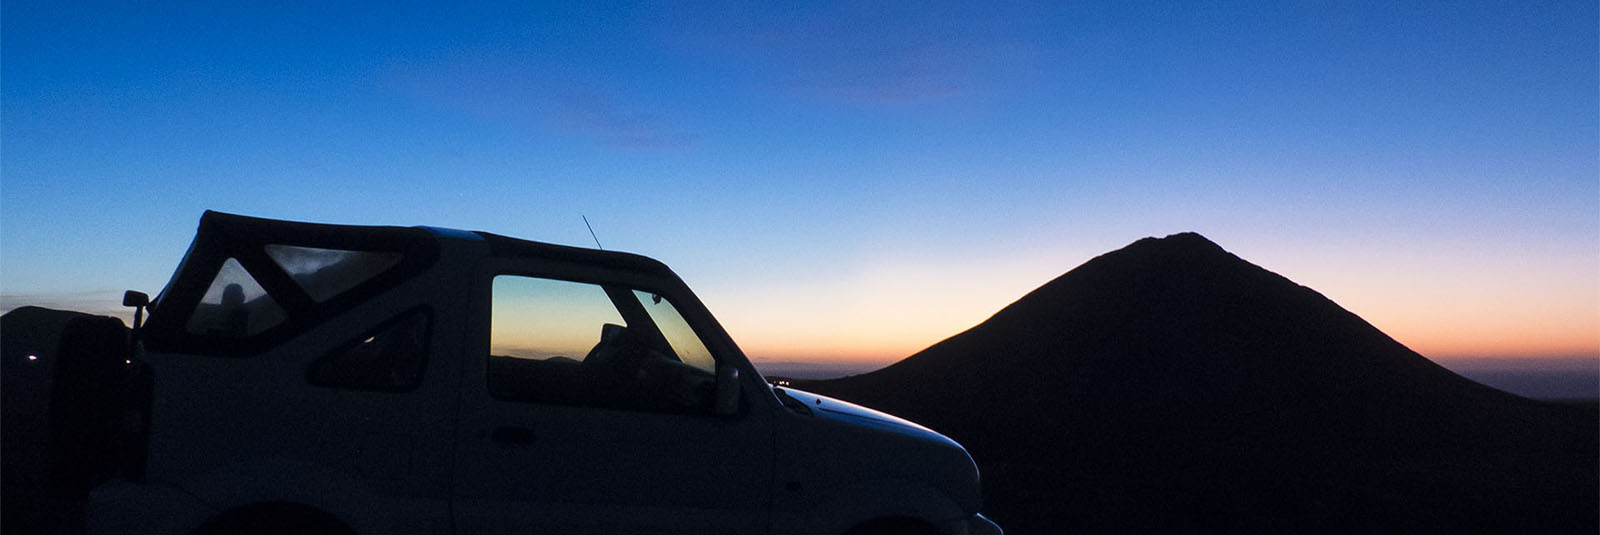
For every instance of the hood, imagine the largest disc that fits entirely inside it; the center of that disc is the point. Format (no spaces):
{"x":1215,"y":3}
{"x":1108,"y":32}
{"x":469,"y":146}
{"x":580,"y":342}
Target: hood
{"x":835,"y":444}
{"x":848,"y":413}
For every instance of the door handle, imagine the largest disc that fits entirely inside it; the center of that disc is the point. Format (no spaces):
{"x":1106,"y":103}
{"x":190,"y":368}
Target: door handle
{"x":512,"y":435}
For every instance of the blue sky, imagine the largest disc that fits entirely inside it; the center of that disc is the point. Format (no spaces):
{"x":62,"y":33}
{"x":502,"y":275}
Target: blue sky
{"x":840,"y":181}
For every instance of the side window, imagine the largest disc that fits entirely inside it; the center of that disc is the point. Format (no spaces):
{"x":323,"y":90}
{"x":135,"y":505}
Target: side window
{"x":390,"y":359}
{"x":690,"y":350}
{"x":574,"y":343}
{"x":326,"y":273}
{"x":234,"y":306}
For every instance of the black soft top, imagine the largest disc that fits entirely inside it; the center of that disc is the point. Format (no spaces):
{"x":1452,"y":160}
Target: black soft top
{"x":247,"y":283}
{"x":226,"y":242}
{"x":518,"y":248}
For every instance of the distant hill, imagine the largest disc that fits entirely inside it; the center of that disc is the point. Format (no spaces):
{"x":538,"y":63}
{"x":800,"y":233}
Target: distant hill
{"x":1171,"y":385}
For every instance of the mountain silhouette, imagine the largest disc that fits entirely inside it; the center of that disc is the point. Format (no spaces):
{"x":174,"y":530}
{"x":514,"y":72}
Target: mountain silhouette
{"x":1173,"y":386}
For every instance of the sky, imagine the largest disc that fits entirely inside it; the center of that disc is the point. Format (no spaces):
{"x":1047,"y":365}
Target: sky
{"x":840,"y":182}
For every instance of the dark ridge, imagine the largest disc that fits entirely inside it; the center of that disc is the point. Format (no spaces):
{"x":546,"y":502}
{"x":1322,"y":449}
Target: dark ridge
{"x":1173,"y":385}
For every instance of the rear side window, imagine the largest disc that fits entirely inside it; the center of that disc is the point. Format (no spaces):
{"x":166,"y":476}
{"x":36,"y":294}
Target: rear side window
{"x":390,"y":359}
{"x":248,"y":284}
{"x":234,"y":305}
{"x":325,"y":273}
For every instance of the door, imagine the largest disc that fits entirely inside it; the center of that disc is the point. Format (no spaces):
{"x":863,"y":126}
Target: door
{"x":590,"y":410}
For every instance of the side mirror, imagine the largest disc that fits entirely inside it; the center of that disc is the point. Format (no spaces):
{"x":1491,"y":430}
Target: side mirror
{"x":138,"y":300}
{"x":135,"y":298}
{"x":727,"y":390}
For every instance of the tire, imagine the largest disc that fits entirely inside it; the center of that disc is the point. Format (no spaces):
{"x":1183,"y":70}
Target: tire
{"x":61,"y":395}
{"x":893,"y":526}
{"x":275,"y":518}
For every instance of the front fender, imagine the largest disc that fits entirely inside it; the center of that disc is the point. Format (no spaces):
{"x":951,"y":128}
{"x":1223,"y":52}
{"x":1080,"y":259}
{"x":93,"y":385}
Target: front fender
{"x":835,"y":511}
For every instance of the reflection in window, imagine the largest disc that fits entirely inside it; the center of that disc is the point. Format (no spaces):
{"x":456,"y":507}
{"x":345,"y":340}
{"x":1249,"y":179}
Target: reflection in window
{"x":677,"y":331}
{"x":582,"y":344}
{"x":390,"y":360}
{"x":234,"y":306}
{"x":541,"y":331}
{"x":325,"y":273}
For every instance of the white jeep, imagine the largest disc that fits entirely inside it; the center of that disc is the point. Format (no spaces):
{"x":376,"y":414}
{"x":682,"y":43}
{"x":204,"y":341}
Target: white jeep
{"x":310,"y":378}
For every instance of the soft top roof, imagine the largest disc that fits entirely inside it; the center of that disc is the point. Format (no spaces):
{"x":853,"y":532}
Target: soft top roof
{"x":255,"y":229}
{"x":514,"y":247}
{"x":248,"y":232}
{"x":230,"y":267}
{"x":241,"y":249}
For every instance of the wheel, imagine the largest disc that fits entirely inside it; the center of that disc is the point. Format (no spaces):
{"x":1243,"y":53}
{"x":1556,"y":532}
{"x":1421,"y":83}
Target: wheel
{"x":898,"y":525}
{"x":275,"y":518}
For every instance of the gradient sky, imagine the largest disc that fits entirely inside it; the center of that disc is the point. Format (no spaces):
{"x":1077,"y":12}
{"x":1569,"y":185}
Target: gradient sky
{"x":840,"y":181}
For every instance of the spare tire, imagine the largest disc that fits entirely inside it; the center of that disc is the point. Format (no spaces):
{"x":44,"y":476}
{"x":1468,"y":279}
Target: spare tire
{"x":86,"y":401}
{"x":64,"y":377}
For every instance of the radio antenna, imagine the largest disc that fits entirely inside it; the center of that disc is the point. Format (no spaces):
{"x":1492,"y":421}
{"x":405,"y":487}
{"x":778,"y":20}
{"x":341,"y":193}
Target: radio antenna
{"x":591,"y":232}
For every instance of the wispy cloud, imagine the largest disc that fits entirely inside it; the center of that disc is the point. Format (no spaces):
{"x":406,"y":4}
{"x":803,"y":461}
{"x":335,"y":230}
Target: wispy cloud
{"x":522,"y":93}
{"x":603,"y":119}
{"x":872,"y":53}
{"x":920,"y":74}
{"x":890,"y":80}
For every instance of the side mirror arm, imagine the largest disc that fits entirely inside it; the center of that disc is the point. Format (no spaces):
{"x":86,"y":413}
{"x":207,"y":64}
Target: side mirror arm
{"x":139,"y":301}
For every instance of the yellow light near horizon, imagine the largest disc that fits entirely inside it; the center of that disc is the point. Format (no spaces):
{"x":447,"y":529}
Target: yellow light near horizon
{"x":1482,"y":336}
{"x":1497,"y":311}
{"x":885,"y":312}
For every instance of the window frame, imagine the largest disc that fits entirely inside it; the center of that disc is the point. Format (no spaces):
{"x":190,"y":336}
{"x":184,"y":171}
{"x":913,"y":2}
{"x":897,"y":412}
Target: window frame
{"x":610,"y":280}
{"x":422,"y":372}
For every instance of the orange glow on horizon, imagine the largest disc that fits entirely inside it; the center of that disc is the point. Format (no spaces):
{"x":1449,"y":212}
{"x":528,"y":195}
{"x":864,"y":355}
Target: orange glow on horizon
{"x":893,"y":309}
{"x":885,"y":353}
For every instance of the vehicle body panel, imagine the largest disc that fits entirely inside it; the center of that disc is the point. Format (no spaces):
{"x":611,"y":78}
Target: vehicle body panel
{"x":237,"y":424}
{"x":600,"y":470}
{"x":858,"y":464}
